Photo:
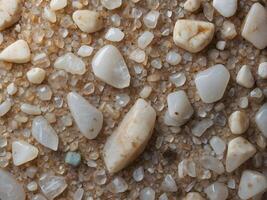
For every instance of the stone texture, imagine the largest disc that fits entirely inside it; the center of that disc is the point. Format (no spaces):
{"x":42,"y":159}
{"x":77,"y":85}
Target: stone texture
{"x":226,"y":8}
{"x":261,"y":118}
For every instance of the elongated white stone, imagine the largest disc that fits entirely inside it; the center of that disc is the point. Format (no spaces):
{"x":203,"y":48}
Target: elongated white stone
{"x":244,"y":77}
{"x":192,"y":35}
{"x":88,"y":119}
{"x":10,"y":189}
{"x":30,"y":109}
{"x":239,"y":151}
{"x":179,"y":110}
{"x":70,"y":63}
{"x":252,"y":183}
{"x":10,"y":13}
{"x":145,"y":39}
{"x":254,"y":28}
{"x":226,"y":8}
{"x":23,"y":152}
{"x":5,"y":107}
{"x":130,"y":138}
{"x":212,"y":82}
{"x":44,"y":133}
{"x":261,"y":119}
{"x":109,"y":66}
{"x":17,"y":52}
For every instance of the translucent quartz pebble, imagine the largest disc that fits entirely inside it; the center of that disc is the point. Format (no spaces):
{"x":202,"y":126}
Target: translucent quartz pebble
{"x":212,"y":163}
{"x":226,"y":8}
{"x":10,"y":189}
{"x":44,"y":133}
{"x":168,"y":184}
{"x":88,"y":119}
{"x":193,"y":196}
{"x":5,"y":107}
{"x":218,"y":145}
{"x":30,"y":109}
{"x":262,"y":70}
{"x":70,"y":63}
{"x":23,"y":152}
{"x":52,"y":186}
{"x":117,"y":185}
{"x":145,"y":39}
{"x":111,"y":4}
{"x":151,"y":19}
{"x":200,"y":127}
{"x":212,"y":82}
{"x":58,"y":4}
{"x":114,"y":35}
{"x":147,"y":194}
{"x":178,"y":79}
{"x":244,"y":77}
{"x":131,"y":136}
{"x":192,"y":5}
{"x":217,"y":191}
{"x":109,"y":66}
{"x":261,"y":118}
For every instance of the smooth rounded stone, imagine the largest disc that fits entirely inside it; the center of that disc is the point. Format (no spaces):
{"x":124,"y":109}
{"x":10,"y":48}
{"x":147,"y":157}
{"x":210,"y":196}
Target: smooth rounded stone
{"x":239,"y":151}
{"x":262,"y":70}
{"x":70,"y":63}
{"x":145,"y":39}
{"x":151,"y":19}
{"x":10,"y":13}
{"x":17,"y":52}
{"x":32,"y":186}
{"x":30,"y":109}
{"x":36,"y":75}
{"x":44,"y":133}
{"x":218,"y":145}
{"x":168,"y":184}
{"x":114,"y":35}
{"x":111,"y":4}
{"x":179,"y":110}
{"x":228,"y":30}
{"x":131,"y":137}
{"x":10,"y":189}
{"x":73,"y":158}
{"x":138,"y":55}
{"x":138,"y":174}
{"x":85,"y":51}
{"x":221,"y":45}
{"x":192,"y":5}
{"x":58,"y":4}
{"x":147,"y":194}
{"x":145,"y":92}
{"x":193,"y":196}
{"x":254,"y":28}
{"x":11,"y":89}
{"x":187,"y":167}
{"x":216,"y":191}
{"x":244,"y":77}
{"x":178,"y":79}
{"x":88,"y":119}
{"x":52,"y":186}
{"x":5,"y":107}
{"x":212,"y":82}
{"x":261,"y":119}
{"x":173,"y":58}
{"x":252,"y":183}
{"x":50,"y":15}
{"x":44,"y":92}
{"x":109,"y":66}
{"x":117,"y":185}
{"x":192,"y":35}
{"x":88,"y":21}
{"x":226,"y":8}
{"x":212,"y":163}
{"x":23,"y":152}
{"x":200,"y":127}
{"x":238,"y":122}
{"x":38,"y":197}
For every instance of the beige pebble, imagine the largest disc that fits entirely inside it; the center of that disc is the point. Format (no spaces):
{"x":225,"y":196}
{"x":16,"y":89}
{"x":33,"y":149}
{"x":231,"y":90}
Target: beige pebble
{"x":244,"y":77}
{"x":58,"y":4}
{"x":192,"y":5}
{"x":36,"y":75}
{"x":238,"y":122}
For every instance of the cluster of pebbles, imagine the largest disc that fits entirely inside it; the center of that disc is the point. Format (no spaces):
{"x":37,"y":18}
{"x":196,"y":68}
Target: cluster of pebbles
{"x":136,"y":99}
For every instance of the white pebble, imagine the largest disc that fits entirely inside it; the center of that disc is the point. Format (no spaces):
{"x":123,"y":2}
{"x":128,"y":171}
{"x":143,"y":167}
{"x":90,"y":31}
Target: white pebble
{"x":11,"y":89}
{"x":85,"y":51}
{"x":212,"y":163}
{"x":244,"y":77}
{"x":145,"y":39}
{"x":145,"y":92}
{"x":111,"y":4}
{"x":193,"y":196}
{"x":151,"y":19}
{"x":178,"y":79}
{"x":36,"y":75}
{"x":58,"y":4}
{"x":228,"y":30}
{"x":238,"y":122}
{"x":261,"y":119}
{"x":109,"y":66}
{"x":114,"y":35}
{"x":192,"y":5}
{"x":218,"y":145}
{"x":226,"y":8}
{"x":50,"y":15}
{"x":212,"y":82}
{"x":221,"y":45}
{"x":173,"y":58}
{"x":262,"y":70}
{"x":138,"y":55}
{"x":147,"y":194}
{"x":168,"y":184}
{"x":217,"y":191}
{"x":5,"y":107}
{"x":30,"y":109}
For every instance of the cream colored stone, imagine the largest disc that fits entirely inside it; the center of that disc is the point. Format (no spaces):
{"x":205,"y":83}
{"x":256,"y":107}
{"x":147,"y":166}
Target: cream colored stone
{"x":192,"y":5}
{"x":193,"y":196}
{"x":226,"y":8}
{"x":244,"y":77}
{"x":36,"y":75}
{"x":238,"y":122}
{"x":58,"y":4}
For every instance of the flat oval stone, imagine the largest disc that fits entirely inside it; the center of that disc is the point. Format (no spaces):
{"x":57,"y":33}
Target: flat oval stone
{"x":226,"y":8}
{"x":261,"y":119}
{"x":212,"y":82}
{"x":109,"y":66}
{"x":43,"y":132}
{"x":88,"y":119}
{"x":10,"y":189}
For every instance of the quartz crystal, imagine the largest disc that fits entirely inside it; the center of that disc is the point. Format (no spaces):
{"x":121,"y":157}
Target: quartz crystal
{"x":30,"y":109}
{"x":173,"y":58}
{"x":5,"y":107}
{"x":138,"y":174}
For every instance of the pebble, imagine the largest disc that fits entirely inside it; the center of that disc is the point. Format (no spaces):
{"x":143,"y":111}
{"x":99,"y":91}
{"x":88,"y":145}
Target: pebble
{"x":151,"y":19}
{"x":192,"y":5}
{"x":70,"y":63}
{"x":10,"y":13}
{"x":109,"y":66}
{"x":254,"y":28}
{"x":228,"y":30}
{"x":88,"y":119}
{"x":226,"y":8}
{"x":145,"y":39}
{"x":173,"y":58}
{"x":212,"y":163}
{"x":117,"y":185}
{"x":38,"y":197}
{"x":218,"y":145}
{"x":168,"y":184}
{"x":193,"y":35}
{"x":85,"y":51}
{"x":44,"y":133}
{"x":88,"y":21}
{"x":51,"y":185}
{"x":252,"y":183}
{"x":78,"y":195}
{"x":10,"y":189}
{"x":261,"y":119}
{"x":131,"y":136}
{"x":244,"y":77}
{"x":138,"y":55}
{"x":111,"y":5}
{"x":178,"y":79}
{"x":217,"y":191}
{"x":212,"y":82}
{"x":36,"y":75}
{"x":73,"y":158}
{"x":187,"y":167}
{"x":5,"y":107}
{"x":262,"y":70}
{"x":32,"y":186}
{"x":238,"y":122}
{"x":114,"y":35}
{"x":58,"y":4}
{"x":44,"y":92}
{"x":11,"y":89}
{"x":138,"y":174}
{"x":145,"y":92}
{"x":179,"y":110}
{"x":193,"y":196}
{"x":30,"y":109}
{"x":221,"y":45}
{"x":147,"y":194}
{"x":50,"y":15}
{"x":17,"y":52}
{"x":200,"y":127}
{"x":239,"y":151}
